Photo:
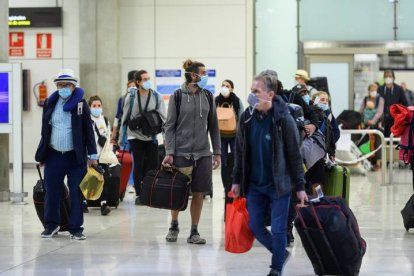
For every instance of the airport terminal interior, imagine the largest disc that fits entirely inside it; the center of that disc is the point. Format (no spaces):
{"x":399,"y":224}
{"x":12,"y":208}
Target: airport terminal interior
{"x":342,"y":46}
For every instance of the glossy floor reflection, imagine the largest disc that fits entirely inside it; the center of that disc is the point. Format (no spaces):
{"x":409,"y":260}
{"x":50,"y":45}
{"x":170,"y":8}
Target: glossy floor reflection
{"x":130,"y":241}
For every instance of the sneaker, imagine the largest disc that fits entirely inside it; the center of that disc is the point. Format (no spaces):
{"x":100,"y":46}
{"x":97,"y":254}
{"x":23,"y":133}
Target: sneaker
{"x":77,"y":236}
{"x":172,"y":234}
{"x":196,"y":239}
{"x":105,"y":210}
{"x":130,"y":189}
{"x":48,"y":233}
{"x":85,"y":207}
{"x":274,"y":272}
{"x":138,"y":201}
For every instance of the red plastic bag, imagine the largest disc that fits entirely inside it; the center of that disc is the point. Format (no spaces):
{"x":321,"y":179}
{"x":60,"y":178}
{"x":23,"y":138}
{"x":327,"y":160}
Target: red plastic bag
{"x":238,"y":237}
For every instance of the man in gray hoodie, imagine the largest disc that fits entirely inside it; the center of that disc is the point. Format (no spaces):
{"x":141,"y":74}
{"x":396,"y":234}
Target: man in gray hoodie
{"x":191,"y":117}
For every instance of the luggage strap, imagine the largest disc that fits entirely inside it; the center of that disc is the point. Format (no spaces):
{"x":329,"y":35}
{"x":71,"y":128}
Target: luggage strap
{"x":153,"y":186}
{"x":40,"y":176}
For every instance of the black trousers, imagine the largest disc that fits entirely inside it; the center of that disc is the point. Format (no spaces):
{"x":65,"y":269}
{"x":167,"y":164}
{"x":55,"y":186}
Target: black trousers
{"x":145,"y":154}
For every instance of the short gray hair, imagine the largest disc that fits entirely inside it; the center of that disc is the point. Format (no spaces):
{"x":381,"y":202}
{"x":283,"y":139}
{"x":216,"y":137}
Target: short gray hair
{"x":269,"y":78}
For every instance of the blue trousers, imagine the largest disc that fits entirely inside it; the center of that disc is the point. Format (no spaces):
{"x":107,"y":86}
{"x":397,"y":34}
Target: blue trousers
{"x":258,"y":200}
{"x":57,"y":166}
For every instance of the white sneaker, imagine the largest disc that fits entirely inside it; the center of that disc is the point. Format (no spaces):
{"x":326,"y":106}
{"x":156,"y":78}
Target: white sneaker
{"x":130,"y":189}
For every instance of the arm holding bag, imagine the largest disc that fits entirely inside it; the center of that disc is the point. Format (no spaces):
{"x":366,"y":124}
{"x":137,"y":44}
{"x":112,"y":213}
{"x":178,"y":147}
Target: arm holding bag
{"x":238,"y":237}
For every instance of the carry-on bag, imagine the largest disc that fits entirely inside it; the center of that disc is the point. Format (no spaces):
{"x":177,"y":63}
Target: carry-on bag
{"x":92,"y":183}
{"x":330,"y":235}
{"x":165,"y":188}
{"x":238,"y":236}
{"x":408,"y":214}
{"x":112,"y":179}
{"x":125,"y":159}
{"x":337,"y":182}
{"x":39,"y":202}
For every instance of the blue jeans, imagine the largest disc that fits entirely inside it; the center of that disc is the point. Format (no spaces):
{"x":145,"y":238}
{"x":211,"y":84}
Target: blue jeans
{"x":57,"y":166}
{"x":275,"y":241}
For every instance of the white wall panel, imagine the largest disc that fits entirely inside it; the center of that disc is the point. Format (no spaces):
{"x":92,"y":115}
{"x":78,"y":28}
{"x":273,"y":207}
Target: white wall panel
{"x":31,"y":3}
{"x":70,"y":29}
{"x":137,"y":32}
{"x":200,"y":2}
{"x":135,"y":3}
{"x":185,"y":31}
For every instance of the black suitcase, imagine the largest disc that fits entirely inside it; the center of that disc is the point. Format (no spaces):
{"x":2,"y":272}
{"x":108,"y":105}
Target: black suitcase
{"x":112,"y":182}
{"x":330,"y":235}
{"x":39,"y":202}
{"x":408,"y":214}
{"x":165,"y":189}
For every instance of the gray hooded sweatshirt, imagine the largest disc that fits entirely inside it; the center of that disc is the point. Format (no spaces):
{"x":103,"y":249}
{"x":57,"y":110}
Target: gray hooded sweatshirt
{"x":187,"y":135}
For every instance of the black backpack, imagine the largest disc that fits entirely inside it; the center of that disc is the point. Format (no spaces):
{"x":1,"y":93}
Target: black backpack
{"x":149,"y":122}
{"x":295,"y":110}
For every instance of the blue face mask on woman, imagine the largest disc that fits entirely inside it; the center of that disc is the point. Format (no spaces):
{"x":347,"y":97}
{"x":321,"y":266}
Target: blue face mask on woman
{"x":306,"y":98}
{"x":323,"y":106}
{"x":203,"y":81}
{"x":64,"y":92}
{"x":96,"y":112}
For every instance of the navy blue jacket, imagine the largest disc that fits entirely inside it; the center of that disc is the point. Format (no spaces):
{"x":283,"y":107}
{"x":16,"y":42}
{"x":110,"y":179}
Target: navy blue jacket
{"x":82,"y":128}
{"x":287,"y":162}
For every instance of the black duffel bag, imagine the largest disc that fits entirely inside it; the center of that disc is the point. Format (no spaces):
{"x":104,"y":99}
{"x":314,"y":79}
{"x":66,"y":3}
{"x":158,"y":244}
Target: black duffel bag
{"x":166,"y":188}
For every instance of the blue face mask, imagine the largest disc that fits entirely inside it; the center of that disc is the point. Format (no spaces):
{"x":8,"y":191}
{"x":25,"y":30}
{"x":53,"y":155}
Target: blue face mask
{"x":146,"y":85}
{"x":253,"y":100}
{"x":64,"y":92}
{"x":203,"y":81}
{"x":323,"y":106}
{"x":306,"y":98}
{"x":96,"y":112}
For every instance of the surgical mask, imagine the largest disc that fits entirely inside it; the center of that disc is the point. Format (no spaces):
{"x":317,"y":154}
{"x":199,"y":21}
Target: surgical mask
{"x":64,"y":92}
{"x":306,"y":98}
{"x":253,"y":100}
{"x":323,"y":106}
{"x":96,"y":112}
{"x":203,"y":81}
{"x":225,"y":92}
{"x":389,"y":80}
{"x":373,"y":94}
{"x":146,"y":85}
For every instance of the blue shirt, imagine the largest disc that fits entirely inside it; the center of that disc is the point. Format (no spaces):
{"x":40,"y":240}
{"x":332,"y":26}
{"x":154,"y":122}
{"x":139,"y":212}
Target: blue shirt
{"x":260,"y":150}
{"x":61,"y":122}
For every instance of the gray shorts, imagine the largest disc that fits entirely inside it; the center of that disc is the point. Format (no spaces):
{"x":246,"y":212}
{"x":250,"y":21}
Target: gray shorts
{"x":202,"y":172}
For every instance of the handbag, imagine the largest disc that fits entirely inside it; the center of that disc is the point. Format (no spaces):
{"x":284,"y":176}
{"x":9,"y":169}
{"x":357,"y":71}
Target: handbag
{"x":92,"y":184}
{"x":166,"y":188}
{"x":238,"y":236}
{"x":107,"y":155}
{"x":226,"y":119}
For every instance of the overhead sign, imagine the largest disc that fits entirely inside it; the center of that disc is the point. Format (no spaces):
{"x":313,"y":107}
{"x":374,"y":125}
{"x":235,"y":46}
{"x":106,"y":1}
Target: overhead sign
{"x":44,"y":45}
{"x":16,"y":44}
{"x":35,"y":17}
{"x":168,"y":81}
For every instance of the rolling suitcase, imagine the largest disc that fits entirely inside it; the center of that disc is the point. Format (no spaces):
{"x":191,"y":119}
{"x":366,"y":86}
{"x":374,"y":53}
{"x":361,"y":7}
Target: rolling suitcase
{"x":39,"y":202}
{"x":125,"y":159}
{"x":112,"y":179}
{"x":337,"y":182}
{"x":330,"y":236}
{"x":408,"y":214}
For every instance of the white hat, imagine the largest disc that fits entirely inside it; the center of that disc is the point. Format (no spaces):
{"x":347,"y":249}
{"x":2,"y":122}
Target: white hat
{"x":66,"y":75}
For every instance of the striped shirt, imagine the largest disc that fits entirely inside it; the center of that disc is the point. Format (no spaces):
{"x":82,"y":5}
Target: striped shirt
{"x":61,"y":123}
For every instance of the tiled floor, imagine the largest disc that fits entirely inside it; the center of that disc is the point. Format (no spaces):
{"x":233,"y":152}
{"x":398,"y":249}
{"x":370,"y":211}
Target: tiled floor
{"x":130,"y":241}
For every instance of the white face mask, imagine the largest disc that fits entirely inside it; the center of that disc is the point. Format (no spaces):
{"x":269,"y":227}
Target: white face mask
{"x":389,"y":80}
{"x":225,"y":92}
{"x":373,"y":94}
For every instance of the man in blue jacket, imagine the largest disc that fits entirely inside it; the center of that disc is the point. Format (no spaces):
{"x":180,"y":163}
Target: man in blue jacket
{"x":67,"y":139}
{"x":267,"y":164}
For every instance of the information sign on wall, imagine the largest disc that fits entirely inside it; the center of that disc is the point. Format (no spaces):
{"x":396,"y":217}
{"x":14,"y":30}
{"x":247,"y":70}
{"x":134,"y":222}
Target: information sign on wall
{"x":4,"y":98}
{"x":16,"y":44}
{"x":44,"y":45}
{"x":168,"y":81}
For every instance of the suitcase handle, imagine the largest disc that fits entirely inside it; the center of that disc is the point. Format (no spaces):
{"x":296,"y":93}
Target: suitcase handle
{"x":40,"y":175}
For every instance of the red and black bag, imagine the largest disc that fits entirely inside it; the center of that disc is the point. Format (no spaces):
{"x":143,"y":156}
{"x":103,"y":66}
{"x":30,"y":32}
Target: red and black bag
{"x":166,"y":189}
{"x":330,"y":235}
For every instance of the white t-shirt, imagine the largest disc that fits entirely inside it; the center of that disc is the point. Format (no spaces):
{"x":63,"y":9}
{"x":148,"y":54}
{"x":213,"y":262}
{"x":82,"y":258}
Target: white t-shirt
{"x":104,"y":130}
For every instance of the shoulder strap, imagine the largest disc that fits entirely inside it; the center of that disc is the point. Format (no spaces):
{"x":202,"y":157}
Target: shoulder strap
{"x":291,"y":97}
{"x":156,"y":99}
{"x":106,"y":121}
{"x":377,"y":101}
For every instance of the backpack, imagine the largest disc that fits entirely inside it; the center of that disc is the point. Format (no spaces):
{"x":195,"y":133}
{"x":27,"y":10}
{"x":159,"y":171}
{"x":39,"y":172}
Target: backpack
{"x":101,"y":139}
{"x":295,"y":110}
{"x":226,"y":119}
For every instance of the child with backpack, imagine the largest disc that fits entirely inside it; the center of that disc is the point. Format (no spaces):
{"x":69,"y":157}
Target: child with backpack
{"x":102,"y":131}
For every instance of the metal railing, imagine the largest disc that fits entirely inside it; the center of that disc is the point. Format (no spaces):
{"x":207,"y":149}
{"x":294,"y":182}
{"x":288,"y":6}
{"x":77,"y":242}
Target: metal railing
{"x":383,"y":145}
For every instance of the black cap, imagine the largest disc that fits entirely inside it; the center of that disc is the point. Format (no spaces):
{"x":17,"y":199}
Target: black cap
{"x":131,"y":75}
{"x":298,"y":88}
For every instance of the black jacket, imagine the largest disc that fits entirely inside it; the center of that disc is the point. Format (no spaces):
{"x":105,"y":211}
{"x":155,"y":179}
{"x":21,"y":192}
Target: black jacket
{"x":395,"y":96}
{"x":286,"y":158}
{"x":82,"y":127}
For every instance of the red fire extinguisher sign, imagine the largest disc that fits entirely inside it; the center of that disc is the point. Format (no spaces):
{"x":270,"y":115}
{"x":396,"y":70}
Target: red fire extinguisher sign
{"x":44,"y":45}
